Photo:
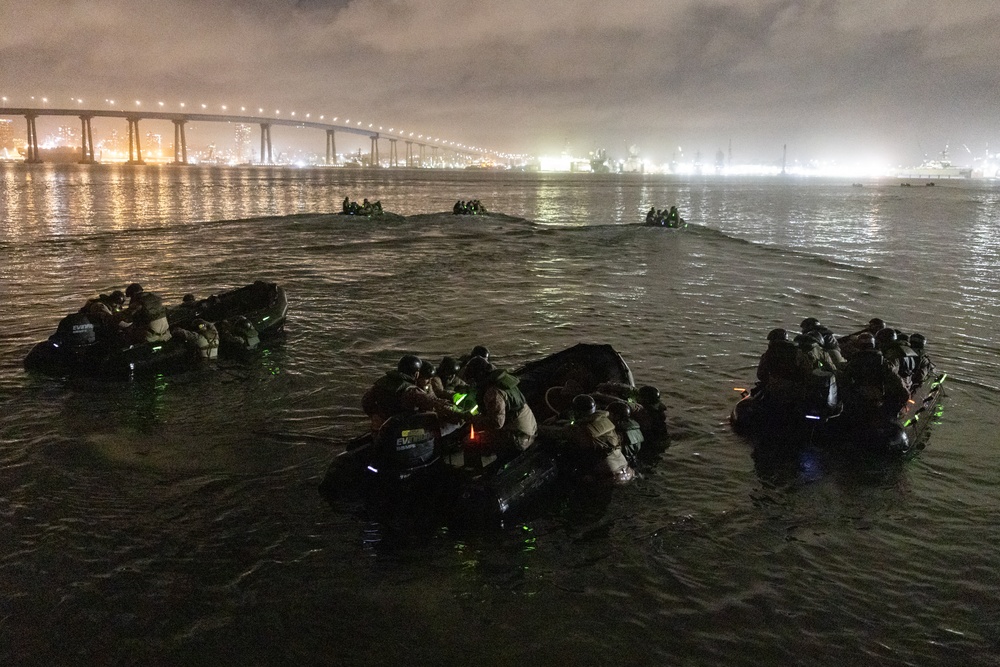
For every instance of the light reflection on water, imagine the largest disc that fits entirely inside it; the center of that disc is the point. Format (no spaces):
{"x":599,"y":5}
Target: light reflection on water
{"x":183,"y":511}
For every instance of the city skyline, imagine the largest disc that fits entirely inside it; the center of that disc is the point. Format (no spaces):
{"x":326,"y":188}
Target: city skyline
{"x":843,"y":80}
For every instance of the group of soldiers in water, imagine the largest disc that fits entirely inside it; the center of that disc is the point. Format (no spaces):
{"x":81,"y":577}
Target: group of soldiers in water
{"x":664,"y":217}
{"x":138,"y":316}
{"x":603,"y":430}
{"x":364,"y":208}
{"x":874,"y":370}
{"x":471,"y":207}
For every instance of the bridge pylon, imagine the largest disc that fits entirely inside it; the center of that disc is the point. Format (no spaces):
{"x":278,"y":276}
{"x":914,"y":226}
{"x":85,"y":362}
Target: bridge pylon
{"x":180,"y":143}
{"x":33,"y":156}
{"x":87,"y":141}
{"x":134,"y":147}
{"x":331,"y":148}
{"x":265,"y":144}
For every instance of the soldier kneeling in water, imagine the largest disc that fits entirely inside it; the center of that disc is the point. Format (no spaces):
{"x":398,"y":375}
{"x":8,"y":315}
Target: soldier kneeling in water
{"x":204,"y":336}
{"x":592,"y":438}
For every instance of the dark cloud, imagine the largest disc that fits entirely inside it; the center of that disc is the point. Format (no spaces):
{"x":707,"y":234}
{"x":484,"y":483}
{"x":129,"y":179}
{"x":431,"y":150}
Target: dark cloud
{"x":846,"y":76}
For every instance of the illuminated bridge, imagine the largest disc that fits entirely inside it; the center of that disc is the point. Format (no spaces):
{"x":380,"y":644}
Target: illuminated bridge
{"x":413,"y":158}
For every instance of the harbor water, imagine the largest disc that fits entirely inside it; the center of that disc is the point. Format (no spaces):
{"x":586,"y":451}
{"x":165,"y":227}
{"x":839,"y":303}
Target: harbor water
{"x":176,"y":520}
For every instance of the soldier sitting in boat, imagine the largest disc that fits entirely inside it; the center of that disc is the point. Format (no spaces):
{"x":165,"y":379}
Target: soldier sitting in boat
{"x":871,"y":388}
{"x":593,"y":442}
{"x":103,"y":312}
{"x":673,"y":217}
{"x":190,"y":308}
{"x":829,"y":354}
{"x":779,"y":373}
{"x":477,"y":351}
{"x":925,"y":367}
{"x":898,"y":354}
{"x":812,"y":356}
{"x":145,"y":319}
{"x":398,"y":392}
{"x":505,"y":424}
{"x":445,"y":382}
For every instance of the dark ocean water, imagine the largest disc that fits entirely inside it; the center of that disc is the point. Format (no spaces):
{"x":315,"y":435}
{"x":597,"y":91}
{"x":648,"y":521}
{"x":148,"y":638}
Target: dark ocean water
{"x":177,"y":521}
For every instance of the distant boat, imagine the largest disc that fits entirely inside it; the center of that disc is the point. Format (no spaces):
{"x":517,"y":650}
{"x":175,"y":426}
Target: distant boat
{"x":58,"y":154}
{"x":942,"y":168}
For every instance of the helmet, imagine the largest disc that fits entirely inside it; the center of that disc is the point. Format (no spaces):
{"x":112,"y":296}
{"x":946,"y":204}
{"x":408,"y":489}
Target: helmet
{"x":449,"y":366}
{"x":808,"y":340}
{"x":409,"y":364}
{"x":133,"y":289}
{"x":189,"y":298}
{"x":480,"y":351}
{"x":477,"y":369}
{"x":809,"y":324}
{"x":875,"y":324}
{"x":777,"y":334}
{"x":917,"y":341}
{"x":584,"y":405}
{"x":866,"y":341}
{"x":649,"y":395}
{"x":426,"y":369}
{"x":117,"y":297}
{"x":619,"y":411}
{"x":885,"y":336}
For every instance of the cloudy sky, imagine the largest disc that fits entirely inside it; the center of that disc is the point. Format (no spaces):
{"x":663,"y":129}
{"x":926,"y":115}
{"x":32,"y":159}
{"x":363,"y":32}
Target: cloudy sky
{"x":845,"y":79}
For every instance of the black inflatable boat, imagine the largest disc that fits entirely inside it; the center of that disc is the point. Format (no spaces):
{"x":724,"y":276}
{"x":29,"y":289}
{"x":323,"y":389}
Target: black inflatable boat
{"x":410,"y":454}
{"x":75,"y":349}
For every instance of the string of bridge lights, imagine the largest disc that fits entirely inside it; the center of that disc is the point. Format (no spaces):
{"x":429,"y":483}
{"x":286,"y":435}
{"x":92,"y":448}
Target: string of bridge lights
{"x":308,"y":116}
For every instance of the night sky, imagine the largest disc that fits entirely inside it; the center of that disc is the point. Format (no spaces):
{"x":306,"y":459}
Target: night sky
{"x":894,"y":80}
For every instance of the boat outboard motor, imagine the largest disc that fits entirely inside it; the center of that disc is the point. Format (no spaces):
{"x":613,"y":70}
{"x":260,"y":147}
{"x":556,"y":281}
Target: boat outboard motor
{"x":821,"y":398}
{"x":406,"y":444}
{"x":74,"y":331}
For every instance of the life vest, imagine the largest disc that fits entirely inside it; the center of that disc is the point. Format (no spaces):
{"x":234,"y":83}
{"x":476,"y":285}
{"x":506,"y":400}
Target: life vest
{"x":248,"y":339}
{"x":98,"y":307}
{"x":906,"y":357}
{"x":386,"y":395}
{"x":630,"y":435}
{"x":507,"y":384}
{"x":150,"y":307}
{"x":208,"y":341}
{"x":866,"y":369}
{"x":780,"y":361}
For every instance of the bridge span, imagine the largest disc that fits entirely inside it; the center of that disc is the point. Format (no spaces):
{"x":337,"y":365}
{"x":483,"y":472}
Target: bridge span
{"x":180,"y":119}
